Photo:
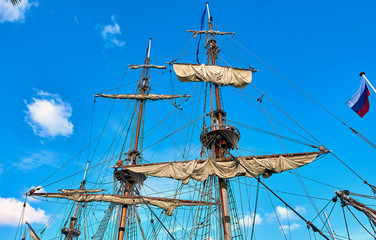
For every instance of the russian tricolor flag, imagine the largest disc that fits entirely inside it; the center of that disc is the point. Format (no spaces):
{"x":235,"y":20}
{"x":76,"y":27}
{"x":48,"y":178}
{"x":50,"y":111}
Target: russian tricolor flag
{"x":359,"y":102}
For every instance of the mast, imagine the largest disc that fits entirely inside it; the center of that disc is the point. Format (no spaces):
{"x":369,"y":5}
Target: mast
{"x":134,"y":153}
{"x":72,"y":232}
{"x":212,"y":53}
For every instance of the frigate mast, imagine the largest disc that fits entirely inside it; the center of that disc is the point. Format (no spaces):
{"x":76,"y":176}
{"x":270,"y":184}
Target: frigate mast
{"x":72,"y":231}
{"x":218,"y":129}
{"x":143,"y":88}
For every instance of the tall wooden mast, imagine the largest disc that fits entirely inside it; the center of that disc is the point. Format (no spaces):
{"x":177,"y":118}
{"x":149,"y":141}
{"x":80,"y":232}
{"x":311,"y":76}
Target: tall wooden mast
{"x":212,"y":53}
{"x":143,"y":87}
{"x":72,"y":232}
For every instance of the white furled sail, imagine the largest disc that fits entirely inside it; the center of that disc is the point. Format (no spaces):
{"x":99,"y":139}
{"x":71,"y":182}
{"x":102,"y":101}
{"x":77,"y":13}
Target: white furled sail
{"x":224,"y":76}
{"x":81,"y":190}
{"x":200,"y":170}
{"x":152,"y":97}
{"x":168,"y":205}
{"x":146,"y":66}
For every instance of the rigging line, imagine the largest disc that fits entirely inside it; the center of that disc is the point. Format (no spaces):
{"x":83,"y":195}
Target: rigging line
{"x":86,"y":130}
{"x":254,"y":212}
{"x":276,"y":195}
{"x":20,"y":221}
{"x":309,"y":196}
{"x":365,"y":182}
{"x":275,"y":130}
{"x":165,"y":127}
{"x":272,"y":134}
{"x":124,"y":85}
{"x":100,"y":163}
{"x":138,"y":193}
{"x":279,"y":222}
{"x":304,"y":93}
{"x":275,"y":119}
{"x":322,"y":209}
{"x":360,"y":222}
{"x":347,"y":228}
{"x":317,"y":181}
{"x":327,"y":220}
{"x":77,"y":154}
{"x":153,"y":128}
{"x":172,"y":133}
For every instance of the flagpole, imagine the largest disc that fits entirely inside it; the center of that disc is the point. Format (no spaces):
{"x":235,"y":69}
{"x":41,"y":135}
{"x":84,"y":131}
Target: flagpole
{"x":207,"y":7}
{"x":363,"y":74}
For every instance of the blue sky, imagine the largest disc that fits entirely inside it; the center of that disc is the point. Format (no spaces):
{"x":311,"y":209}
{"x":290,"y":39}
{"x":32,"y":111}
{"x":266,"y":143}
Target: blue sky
{"x":56,"y":55}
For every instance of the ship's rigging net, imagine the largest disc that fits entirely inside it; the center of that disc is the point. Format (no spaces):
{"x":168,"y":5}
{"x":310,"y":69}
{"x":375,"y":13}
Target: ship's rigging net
{"x":237,"y":77}
{"x":200,"y":170}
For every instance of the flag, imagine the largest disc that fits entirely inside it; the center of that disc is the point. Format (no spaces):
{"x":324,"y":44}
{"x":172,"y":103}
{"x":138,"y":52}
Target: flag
{"x":359,"y":102}
{"x":199,"y":40}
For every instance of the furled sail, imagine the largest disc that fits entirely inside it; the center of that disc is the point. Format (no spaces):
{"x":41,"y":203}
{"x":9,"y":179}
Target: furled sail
{"x":81,"y":190}
{"x":370,"y":213}
{"x":141,"y":96}
{"x":237,"y":77}
{"x":146,"y":66}
{"x":169,"y":205}
{"x":200,"y":170}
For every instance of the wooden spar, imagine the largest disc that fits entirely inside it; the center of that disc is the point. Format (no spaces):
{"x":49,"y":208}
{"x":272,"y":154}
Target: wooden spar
{"x":67,"y":232}
{"x":144,"y":78}
{"x":175,"y":200}
{"x":32,"y":230}
{"x":231,"y":159}
{"x":226,"y":222}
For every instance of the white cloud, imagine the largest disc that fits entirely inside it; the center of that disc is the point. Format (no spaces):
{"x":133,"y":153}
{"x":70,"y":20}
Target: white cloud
{"x":285,"y":213}
{"x":10,"y":212}
{"x":10,"y":13}
{"x":49,"y":116}
{"x":247,"y":220}
{"x":110,"y":34}
{"x":36,"y":160}
{"x":291,"y":227}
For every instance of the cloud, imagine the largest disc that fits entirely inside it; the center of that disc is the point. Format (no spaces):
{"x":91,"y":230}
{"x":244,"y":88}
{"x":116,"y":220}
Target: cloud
{"x":291,"y":227}
{"x":247,"y":220}
{"x":285,"y":213}
{"x":36,"y":160}
{"x":49,"y":116}
{"x":10,"y":212}
{"x":10,"y":13}
{"x":110,"y":34}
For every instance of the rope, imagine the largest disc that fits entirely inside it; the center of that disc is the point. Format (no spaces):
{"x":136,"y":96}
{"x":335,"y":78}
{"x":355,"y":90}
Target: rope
{"x":254,"y":212}
{"x":360,"y":222}
{"x":347,"y":228}
{"x":311,"y":98}
{"x":276,"y":195}
{"x":364,"y":181}
{"x":164,"y":227}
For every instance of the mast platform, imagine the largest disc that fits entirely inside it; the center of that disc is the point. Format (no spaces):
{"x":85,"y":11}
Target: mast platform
{"x":221,"y":135}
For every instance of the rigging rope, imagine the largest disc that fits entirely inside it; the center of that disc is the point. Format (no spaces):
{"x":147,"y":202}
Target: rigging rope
{"x":292,"y":119}
{"x":311,"y":98}
{"x":254,"y":212}
{"x":276,"y":195}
